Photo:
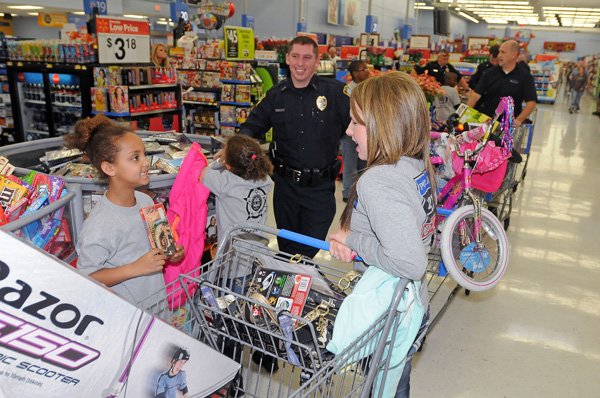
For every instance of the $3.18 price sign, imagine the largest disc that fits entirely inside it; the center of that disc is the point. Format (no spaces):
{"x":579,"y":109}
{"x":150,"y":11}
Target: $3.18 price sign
{"x":121,"y":46}
{"x":123,"y":41}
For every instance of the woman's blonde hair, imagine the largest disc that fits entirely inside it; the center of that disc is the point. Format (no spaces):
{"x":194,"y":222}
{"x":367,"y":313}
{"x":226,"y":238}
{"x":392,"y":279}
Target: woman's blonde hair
{"x":155,"y":61}
{"x":396,"y":116}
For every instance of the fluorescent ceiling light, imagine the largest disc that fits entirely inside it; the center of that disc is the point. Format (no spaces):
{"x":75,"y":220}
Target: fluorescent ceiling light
{"x":35,"y":14}
{"x":26,"y":7}
{"x":135,"y":16}
{"x":423,"y":8}
{"x":467,"y":16}
{"x":78,"y":13}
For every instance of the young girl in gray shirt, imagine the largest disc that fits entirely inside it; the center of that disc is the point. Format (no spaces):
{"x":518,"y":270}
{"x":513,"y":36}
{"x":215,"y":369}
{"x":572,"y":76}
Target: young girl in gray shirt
{"x":389,"y":218}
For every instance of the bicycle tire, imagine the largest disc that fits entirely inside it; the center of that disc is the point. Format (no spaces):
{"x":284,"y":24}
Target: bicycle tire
{"x":461,"y":256}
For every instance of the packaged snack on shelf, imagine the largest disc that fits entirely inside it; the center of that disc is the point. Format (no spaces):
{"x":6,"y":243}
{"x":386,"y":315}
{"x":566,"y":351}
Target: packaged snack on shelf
{"x":10,"y":192}
{"x":6,"y":168}
{"x":158,"y":229}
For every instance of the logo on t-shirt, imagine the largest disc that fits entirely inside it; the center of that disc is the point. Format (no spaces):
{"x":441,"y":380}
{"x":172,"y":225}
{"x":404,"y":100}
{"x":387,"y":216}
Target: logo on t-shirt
{"x":424,"y":188}
{"x":256,"y":203}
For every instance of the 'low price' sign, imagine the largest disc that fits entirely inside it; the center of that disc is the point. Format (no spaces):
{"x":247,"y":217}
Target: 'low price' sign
{"x":122,"y":40}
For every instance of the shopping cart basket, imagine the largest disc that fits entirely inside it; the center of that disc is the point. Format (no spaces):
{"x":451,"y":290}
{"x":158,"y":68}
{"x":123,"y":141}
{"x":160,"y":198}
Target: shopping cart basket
{"x":263,"y":338}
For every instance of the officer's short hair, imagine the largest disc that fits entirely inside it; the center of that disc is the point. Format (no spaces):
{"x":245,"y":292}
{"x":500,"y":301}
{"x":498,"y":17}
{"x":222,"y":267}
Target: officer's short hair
{"x":494,"y":50}
{"x":304,"y":41}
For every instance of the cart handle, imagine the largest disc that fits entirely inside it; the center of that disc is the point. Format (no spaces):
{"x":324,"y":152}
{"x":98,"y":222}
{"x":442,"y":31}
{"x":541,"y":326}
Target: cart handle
{"x":282,"y":233}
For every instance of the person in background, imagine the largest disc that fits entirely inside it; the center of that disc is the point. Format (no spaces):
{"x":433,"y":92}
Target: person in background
{"x":308,"y":114}
{"x":506,"y":79}
{"x":160,"y":56}
{"x":577,"y":82}
{"x":523,"y":61}
{"x":439,"y":68}
{"x":482,"y":67}
{"x":333,"y":55}
{"x":113,"y":247}
{"x":390,"y":218}
{"x":446,"y":105}
{"x":359,"y":71}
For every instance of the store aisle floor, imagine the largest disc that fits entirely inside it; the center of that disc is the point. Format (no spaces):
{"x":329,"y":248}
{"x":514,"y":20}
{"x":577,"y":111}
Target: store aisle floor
{"x":537,"y":333}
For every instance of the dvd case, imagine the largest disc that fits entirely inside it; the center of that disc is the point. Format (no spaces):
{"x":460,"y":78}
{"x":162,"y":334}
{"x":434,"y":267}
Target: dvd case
{"x":159,"y":231}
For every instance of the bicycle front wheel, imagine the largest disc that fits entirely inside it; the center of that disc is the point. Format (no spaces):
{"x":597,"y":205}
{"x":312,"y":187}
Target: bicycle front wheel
{"x":474,"y":266}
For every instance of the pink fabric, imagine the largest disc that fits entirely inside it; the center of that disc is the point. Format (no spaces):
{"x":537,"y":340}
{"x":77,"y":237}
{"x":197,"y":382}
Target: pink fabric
{"x":187,"y":213}
{"x":490,"y":167}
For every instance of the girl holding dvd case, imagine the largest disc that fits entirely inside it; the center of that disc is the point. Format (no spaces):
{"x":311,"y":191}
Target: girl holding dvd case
{"x":113,"y":247}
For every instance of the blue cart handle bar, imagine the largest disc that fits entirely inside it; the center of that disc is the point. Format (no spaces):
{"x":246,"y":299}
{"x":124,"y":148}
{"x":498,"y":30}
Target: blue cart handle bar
{"x":293,"y":236}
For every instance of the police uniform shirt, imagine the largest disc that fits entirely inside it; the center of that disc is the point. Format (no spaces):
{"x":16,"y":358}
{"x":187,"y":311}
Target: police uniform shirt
{"x":481,"y":68}
{"x":434,"y":69}
{"x":495,"y":84}
{"x":307,"y":122}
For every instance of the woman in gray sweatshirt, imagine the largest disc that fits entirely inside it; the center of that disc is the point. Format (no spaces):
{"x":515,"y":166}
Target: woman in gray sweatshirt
{"x":390,"y":216}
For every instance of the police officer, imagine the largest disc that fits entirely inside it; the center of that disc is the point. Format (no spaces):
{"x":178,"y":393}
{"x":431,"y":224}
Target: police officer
{"x":482,"y":67}
{"x":505,"y":79}
{"x":439,"y":68}
{"x":309,"y":114}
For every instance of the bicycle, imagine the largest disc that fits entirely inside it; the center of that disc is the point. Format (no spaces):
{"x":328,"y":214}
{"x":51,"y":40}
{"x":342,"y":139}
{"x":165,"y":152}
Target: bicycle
{"x":473,"y":242}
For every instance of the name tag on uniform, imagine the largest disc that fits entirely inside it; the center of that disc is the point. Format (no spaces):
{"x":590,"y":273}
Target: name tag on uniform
{"x":513,"y":81}
{"x":436,"y":70}
{"x":279,"y":110}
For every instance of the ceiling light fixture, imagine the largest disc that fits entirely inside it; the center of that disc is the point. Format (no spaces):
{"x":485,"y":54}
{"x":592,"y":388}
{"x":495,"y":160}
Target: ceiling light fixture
{"x":134,"y":16}
{"x":467,"y":16}
{"x":26,"y":7}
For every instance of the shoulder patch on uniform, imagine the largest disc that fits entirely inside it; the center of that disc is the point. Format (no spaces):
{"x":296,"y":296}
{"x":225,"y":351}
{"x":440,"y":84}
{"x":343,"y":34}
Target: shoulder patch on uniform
{"x":347,"y":90}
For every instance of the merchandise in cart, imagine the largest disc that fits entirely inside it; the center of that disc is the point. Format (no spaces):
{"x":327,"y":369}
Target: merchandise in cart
{"x":260,"y":332}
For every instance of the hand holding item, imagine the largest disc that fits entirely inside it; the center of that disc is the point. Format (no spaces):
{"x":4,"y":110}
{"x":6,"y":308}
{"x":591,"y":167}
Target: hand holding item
{"x":150,"y":263}
{"x":338,"y":248}
{"x":178,"y":255}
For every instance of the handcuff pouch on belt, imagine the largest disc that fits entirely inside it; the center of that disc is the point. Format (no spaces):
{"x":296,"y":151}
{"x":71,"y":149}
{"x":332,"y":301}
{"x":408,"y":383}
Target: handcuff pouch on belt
{"x":305,"y":177}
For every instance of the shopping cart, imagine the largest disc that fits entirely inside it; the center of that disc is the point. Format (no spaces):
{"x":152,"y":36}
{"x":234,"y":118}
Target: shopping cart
{"x":223,"y":313}
{"x":501,"y":201}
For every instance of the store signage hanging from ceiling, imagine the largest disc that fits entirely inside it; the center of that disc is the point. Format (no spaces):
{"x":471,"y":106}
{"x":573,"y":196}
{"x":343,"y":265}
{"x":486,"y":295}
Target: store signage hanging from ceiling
{"x":123,"y":40}
{"x":559,"y":46}
{"x":52,"y":20}
{"x":89,"y":5}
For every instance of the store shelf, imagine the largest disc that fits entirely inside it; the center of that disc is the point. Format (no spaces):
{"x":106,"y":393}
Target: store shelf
{"x":230,"y":124}
{"x":201,"y":103}
{"x":151,"y":86}
{"x":127,"y":114}
{"x":236,"y":81}
{"x":236,"y":103}
{"x":205,"y":126}
{"x":37,"y":102}
{"x":39,"y":132}
{"x":66,"y":105}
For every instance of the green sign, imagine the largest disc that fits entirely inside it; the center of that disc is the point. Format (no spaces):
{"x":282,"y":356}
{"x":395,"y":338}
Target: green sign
{"x":239,"y":43}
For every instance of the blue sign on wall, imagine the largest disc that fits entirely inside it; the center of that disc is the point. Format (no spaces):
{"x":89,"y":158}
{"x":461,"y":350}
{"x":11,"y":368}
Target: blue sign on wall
{"x":301,"y":27}
{"x":88,"y":6}
{"x":372,"y":25}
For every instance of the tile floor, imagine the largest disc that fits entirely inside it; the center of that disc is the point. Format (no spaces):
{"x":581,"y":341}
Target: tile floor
{"x":537,"y":334}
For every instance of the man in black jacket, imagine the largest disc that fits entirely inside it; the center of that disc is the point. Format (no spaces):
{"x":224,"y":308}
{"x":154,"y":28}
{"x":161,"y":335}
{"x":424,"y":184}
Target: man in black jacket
{"x":481,"y":68}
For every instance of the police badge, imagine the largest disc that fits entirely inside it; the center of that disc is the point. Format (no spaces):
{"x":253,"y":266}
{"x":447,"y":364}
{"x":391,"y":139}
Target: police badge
{"x":321,"y":102}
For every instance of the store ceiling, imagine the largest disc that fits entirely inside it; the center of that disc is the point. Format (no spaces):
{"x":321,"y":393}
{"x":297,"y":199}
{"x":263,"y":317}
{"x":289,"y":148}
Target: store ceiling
{"x":572,"y":14}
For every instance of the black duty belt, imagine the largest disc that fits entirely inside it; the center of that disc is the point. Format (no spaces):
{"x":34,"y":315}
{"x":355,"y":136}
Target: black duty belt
{"x":306,"y":176}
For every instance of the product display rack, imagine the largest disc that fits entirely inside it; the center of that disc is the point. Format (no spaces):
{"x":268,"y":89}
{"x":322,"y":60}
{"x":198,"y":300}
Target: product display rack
{"x":201,"y":94}
{"x":125,"y":92}
{"x":7,"y":122}
{"x":236,"y":95}
{"x":545,"y":83}
{"x":47,"y":99}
